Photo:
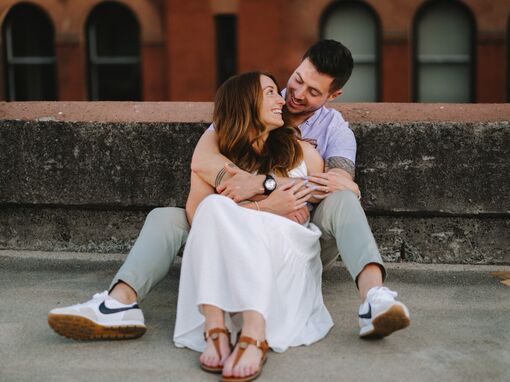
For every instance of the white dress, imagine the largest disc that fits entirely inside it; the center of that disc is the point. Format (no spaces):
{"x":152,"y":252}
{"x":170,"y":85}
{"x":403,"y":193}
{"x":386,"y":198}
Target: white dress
{"x":241,"y":259}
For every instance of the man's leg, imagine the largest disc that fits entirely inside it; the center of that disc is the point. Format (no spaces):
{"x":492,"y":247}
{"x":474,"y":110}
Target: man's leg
{"x":345,"y":231}
{"x":117,"y":315}
{"x":164,"y":233}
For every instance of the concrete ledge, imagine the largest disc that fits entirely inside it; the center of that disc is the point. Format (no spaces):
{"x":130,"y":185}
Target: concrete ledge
{"x":81,"y":176}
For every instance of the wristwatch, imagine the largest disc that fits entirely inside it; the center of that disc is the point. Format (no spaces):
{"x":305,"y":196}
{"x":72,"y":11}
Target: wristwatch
{"x":269,"y":184}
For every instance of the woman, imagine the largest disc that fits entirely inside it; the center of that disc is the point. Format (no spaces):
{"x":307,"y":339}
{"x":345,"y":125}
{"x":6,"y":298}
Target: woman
{"x":262,"y":268}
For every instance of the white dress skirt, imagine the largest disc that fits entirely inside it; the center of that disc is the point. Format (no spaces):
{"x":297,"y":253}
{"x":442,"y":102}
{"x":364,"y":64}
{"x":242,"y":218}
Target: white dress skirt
{"x":240,"y":259}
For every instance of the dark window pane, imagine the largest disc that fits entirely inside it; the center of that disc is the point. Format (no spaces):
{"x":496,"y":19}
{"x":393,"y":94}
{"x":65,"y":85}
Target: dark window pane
{"x":114,"y":54}
{"x":29,"y":55}
{"x":34,"y":82}
{"x":116,"y":30}
{"x":226,"y":47}
{"x":118,"y":82}
{"x":31,"y":32}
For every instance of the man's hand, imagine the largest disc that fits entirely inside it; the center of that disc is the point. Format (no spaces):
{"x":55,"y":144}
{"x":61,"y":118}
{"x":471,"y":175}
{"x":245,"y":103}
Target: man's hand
{"x":300,"y":216}
{"x":287,"y":199}
{"x":332,"y":181}
{"x":241,"y":186}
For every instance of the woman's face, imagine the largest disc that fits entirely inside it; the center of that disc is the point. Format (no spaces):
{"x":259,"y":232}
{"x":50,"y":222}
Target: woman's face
{"x":272,"y":104}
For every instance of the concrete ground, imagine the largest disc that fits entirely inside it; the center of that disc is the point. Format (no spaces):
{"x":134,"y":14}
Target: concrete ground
{"x":460,"y":328}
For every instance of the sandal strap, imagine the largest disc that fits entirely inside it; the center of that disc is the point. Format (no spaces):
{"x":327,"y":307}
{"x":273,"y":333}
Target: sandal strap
{"x":245,"y":341}
{"x":214,"y":334}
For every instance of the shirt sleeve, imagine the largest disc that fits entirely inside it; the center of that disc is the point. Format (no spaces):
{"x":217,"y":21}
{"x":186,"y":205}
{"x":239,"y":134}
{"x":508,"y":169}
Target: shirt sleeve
{"x":341,"y":141}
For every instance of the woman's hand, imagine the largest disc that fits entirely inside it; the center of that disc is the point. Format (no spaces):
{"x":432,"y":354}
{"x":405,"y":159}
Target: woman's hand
{"x":299,"y":216}
{"x":287,"y":199}
{"x":332,"y":181}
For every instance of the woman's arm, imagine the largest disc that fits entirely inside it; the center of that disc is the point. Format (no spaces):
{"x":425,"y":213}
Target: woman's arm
{"x":199,"y":189}
{"x":314,"y":162}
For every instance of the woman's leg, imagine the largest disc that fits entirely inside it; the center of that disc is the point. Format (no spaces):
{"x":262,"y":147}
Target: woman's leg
{"x":214,"y":318}
{"x":254,"y":326}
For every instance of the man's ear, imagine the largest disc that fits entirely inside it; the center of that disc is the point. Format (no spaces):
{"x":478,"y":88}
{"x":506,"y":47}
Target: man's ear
{"x":336,"y":93}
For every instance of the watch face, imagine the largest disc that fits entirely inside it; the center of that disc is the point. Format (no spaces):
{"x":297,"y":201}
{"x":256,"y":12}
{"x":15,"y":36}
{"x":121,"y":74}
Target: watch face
{"x":270,"y":184}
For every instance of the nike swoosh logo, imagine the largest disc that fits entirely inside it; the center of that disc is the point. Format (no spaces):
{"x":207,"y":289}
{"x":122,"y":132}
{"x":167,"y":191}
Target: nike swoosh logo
{"x":105,"y":310}
{"x":367,"y":315}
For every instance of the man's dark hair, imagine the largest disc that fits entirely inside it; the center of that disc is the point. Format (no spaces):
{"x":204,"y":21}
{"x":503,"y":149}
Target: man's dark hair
{"x":332,"y":58}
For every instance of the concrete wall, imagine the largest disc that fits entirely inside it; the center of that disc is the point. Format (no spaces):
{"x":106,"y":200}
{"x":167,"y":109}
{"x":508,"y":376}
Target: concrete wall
{"x":82,"y":176}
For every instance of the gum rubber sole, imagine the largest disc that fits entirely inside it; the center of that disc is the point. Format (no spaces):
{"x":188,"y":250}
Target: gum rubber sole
{"x":81,"y":328}
{"x":388,"y":322}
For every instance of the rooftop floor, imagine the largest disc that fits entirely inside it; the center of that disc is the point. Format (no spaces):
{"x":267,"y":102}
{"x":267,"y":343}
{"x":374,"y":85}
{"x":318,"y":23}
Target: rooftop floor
{"x":460,"y":329}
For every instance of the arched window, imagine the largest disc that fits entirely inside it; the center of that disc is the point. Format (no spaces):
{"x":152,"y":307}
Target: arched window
{"x":29,"y":55}
{"x":356,"y":26}
{"x":443,"y":53}
{"x":113,"y":47}
{"x":508,"y":62}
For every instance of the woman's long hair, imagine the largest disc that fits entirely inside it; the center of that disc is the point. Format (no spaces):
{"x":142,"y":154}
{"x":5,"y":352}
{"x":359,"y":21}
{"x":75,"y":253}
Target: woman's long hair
{"x":237,"y":123}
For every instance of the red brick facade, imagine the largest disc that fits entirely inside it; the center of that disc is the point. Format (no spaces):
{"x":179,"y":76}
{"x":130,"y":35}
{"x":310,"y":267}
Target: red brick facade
{"x":178,"y":52}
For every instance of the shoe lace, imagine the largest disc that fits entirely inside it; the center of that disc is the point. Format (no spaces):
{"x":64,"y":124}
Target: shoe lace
{"x":100,"y":296}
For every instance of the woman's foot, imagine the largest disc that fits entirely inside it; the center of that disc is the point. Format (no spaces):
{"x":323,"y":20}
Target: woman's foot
{"x":215,"y":355}
{"x":250,"y":362}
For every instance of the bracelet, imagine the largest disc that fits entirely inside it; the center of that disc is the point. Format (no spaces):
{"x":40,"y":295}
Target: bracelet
{"x":257,"y":205}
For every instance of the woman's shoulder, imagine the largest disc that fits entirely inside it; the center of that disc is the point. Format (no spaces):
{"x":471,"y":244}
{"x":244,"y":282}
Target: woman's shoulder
{"x":312,"y":158}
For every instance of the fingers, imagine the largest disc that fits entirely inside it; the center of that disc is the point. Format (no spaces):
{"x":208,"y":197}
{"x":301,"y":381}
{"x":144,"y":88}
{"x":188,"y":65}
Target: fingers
{"x":320,"y":196}
{"x":231,"y":168}
{"x":321,"y":175}
{"x":295,"y":188}
{"x":320,"y":181}
{"x":287,"y":186}
{"x":303,"y":192}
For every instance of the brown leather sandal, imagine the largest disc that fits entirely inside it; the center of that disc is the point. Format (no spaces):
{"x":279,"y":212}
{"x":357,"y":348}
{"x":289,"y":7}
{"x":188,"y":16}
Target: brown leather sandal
{"x":214,"y":334}
{"x":244,"y":342}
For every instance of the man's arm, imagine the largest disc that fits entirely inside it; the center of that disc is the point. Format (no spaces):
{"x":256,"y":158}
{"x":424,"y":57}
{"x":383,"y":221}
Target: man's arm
{"x":215,"y":169}
{"x":339,"y":176}
{"x":341,"y":165}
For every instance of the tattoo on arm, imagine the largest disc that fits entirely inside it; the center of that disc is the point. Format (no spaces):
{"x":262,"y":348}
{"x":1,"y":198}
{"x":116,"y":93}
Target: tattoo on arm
{"x":342,"y":163}
{"x":219,"y":177}
{"x":221,"y":174}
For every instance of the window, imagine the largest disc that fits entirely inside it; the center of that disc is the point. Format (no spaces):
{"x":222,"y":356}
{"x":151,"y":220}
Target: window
{"x":29,"y":55}
{"x":443,"y":54}
{"x":113,"y":47}
{"x":226,"y":47}
{"x":508,"y":62}
{"x":356,"y":26}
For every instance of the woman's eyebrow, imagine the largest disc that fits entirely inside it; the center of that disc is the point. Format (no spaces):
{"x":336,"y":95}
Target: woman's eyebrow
{"x":269,"y":86}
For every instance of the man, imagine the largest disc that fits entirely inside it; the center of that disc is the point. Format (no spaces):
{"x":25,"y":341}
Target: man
{"x":319,"y":78}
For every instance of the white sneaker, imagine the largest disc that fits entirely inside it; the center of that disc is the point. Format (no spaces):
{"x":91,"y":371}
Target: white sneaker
{"x":103,"y":317}
{"x":380,"y":315}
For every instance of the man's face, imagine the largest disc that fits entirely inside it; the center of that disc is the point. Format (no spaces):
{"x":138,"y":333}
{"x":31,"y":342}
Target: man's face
{"x":308,"y":90}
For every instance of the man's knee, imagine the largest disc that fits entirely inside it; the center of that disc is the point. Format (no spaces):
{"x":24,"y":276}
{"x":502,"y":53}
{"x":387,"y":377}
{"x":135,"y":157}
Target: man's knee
{"x":344,"y":198}
{"x":167,"y":217}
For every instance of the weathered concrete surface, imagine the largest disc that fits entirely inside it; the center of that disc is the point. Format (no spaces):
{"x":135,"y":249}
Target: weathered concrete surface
{"x":202,"y":112}
{"x":459,"y":331}
{"x":461,"y":240}
{"x":95,"y":164}
{"x":81,"y":176}
{"x":418,"y":167}
{"x":434,"y":167}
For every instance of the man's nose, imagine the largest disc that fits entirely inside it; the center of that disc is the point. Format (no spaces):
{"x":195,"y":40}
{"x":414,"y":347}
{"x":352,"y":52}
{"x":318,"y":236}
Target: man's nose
{"x":299,"y":93}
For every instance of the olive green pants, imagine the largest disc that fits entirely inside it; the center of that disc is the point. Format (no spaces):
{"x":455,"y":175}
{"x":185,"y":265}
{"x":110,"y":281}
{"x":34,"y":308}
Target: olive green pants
{"x":340,"y":217}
